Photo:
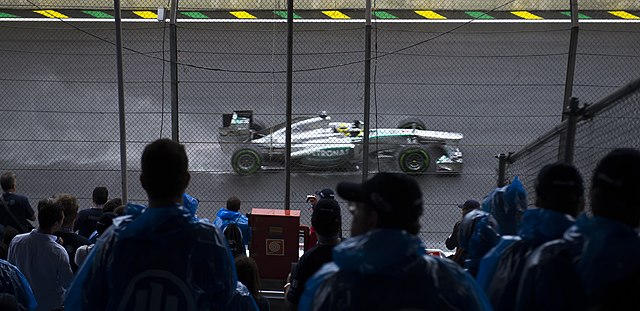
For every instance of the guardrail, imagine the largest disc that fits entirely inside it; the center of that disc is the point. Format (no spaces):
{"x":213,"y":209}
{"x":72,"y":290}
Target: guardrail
{"x":502,"y":5}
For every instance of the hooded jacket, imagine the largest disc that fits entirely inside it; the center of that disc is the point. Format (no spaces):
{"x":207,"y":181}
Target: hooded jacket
{"x":162,"y":252}
{"x":501,"y":268}
{"x":224,"y":217}
{"x":387,"y":269}
{"x":595,"y":265}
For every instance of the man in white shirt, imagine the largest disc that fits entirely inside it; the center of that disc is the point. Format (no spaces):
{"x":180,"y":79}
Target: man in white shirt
{"x":42,"y":260}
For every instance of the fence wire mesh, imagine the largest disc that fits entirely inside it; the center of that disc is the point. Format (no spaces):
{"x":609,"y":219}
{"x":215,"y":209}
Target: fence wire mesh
{"x":500,"y":85}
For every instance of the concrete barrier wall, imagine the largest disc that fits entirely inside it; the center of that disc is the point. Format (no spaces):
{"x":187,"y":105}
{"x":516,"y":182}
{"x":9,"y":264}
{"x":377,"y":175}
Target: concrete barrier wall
{"x":540,"y":5}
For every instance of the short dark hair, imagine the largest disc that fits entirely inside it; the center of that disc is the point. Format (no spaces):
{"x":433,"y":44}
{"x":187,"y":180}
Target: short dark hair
{"x":233,"y":204}
{"x":559,"y":187}
{"x":7,"y":181}
{"x":100,"y":195}
{"x":326,"y":218}
{"x":70,"y":205}
{"x":49,"y":212}
{"x":165,"y":168}
{"x":615,"y":185}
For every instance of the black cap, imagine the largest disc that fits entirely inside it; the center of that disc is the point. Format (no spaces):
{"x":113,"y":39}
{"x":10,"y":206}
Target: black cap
{"x":470,"y":205}
{"x":326,"y":193}
{"x":389,"y":193}
{"x":559,"y":182}
{"x":326,"y":218}
{"x":104,"y":221}
{"x":618,"y":171}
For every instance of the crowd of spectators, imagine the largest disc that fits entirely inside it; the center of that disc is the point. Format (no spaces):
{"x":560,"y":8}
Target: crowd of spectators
{"x":552,"y":255}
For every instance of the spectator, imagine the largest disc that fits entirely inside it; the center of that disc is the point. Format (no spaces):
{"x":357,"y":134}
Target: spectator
{"x":453,"y":241}
{"x":312,"y":199}
{"x":596,"y":264}
{"x":384,"y":265}
{"x":15,"y":210}
{"x":478,"y":235}
{"x":9,"y":234}
{"x":559,"y":199}
{"x":104,"y":222}
{"x":70,"y":240}
{"x":232,"y":214}
{"x":241,"y":300}
{"x":120,"y":210}
{"x":327,"y":221}
{"x":164,"y":247}
{"x":111,"y":205}
{"x":249,"y":275}
{"x":43,"y":261}
{"x":13,"y":283}
{"x":87,"y":218}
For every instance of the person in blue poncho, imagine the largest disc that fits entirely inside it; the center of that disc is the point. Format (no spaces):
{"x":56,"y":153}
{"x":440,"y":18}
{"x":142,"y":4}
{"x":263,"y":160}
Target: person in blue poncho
{"x":232,"y":214}
{"x":596,"y":264}
{"x":161,"y":259}
{"x":14,"y":284}
{"x":559,"y":198}
{"x":384,"y":265}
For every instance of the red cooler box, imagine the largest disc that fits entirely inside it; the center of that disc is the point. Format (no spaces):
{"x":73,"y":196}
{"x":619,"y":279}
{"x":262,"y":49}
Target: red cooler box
{"x":274,"y":241}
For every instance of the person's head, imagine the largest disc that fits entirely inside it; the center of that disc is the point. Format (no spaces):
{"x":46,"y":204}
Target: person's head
{"x":468,"y":206}
{"x":111,"y":205}
{"x":614,"y":186}
{"x":104,"y":221}
{"x":8,"y":181}
{"x":559,"y":187}
{"x":70,"y":205}
{"x":120,"y":210}
{"x":248,"y":274}
{"x":233,"y":204}
{"x":234,"y":238}
{"x":50,"y":215}
{"x":165,"y":174}
{"x":387,"y":200}
{"x":100,"y":195}
{"x":9,"y":234}
{"x":326,"y":218}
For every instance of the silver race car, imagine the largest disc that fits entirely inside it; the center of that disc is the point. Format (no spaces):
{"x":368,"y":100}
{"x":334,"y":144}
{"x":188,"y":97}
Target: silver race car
{"x":318,"y":143}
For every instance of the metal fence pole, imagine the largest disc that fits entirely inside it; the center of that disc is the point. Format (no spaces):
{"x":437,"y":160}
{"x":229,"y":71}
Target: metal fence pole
{"x":502,"y":168}
{"x":367,"y":92}
{"x":570,"y":138}
{"x":571,"y":67}
{"x":287,"y":153}
{"x":173,"y":50}
{"x":121,"y":112}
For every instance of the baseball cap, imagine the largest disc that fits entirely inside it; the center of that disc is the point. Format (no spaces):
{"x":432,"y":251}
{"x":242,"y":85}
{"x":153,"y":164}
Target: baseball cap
{"x":326,"y":193}
{"x":387,"y":193}
{"x":559,"y":182}
{"x":326,"y":218}
{"x":470,"y":205}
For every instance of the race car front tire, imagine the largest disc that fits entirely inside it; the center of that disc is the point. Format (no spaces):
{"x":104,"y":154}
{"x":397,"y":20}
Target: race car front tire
{"x":246,"y":161}
{"x":414,"y":160}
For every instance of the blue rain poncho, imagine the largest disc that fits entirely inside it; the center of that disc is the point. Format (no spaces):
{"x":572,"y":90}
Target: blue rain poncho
{"x":13,"y":282}
{"x":501,"y":268}
{"x":506,"y":205}
{"x":595,"y":265}
{"x":478,"y":235}
{"x":224,"y":217}
{"x":156,"y":257}
{"x":387,"y":269}
{"x":242,"y":300}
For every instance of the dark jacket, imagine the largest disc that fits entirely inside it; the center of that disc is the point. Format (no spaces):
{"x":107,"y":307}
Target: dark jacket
{"x":588,"y":268}
{"x":386,"y":269}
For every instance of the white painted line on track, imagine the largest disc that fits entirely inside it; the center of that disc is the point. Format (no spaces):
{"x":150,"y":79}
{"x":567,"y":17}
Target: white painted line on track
{"x":320,"y":21}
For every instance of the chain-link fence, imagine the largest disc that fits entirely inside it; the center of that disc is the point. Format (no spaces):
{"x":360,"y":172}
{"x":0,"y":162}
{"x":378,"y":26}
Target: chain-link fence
{"x":602,"y":127}
{"x":498,"y":84}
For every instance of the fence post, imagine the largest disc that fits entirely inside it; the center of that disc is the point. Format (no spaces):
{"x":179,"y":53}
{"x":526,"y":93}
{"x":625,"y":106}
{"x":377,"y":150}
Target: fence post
{"x":571,"y":131}
{"x":502,"y":168}
{"x":121,"y":110}
{"x":173,"y":49}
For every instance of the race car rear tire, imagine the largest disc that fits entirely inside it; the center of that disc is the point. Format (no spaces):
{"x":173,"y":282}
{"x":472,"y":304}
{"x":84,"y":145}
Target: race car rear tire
{"x":246,"y":161}
{"x":414,"y":160}
{"x":411,"y":123}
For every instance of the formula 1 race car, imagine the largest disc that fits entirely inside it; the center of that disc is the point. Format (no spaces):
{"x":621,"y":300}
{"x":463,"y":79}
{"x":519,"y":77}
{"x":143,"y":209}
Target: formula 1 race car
{"x":320,"y":144}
